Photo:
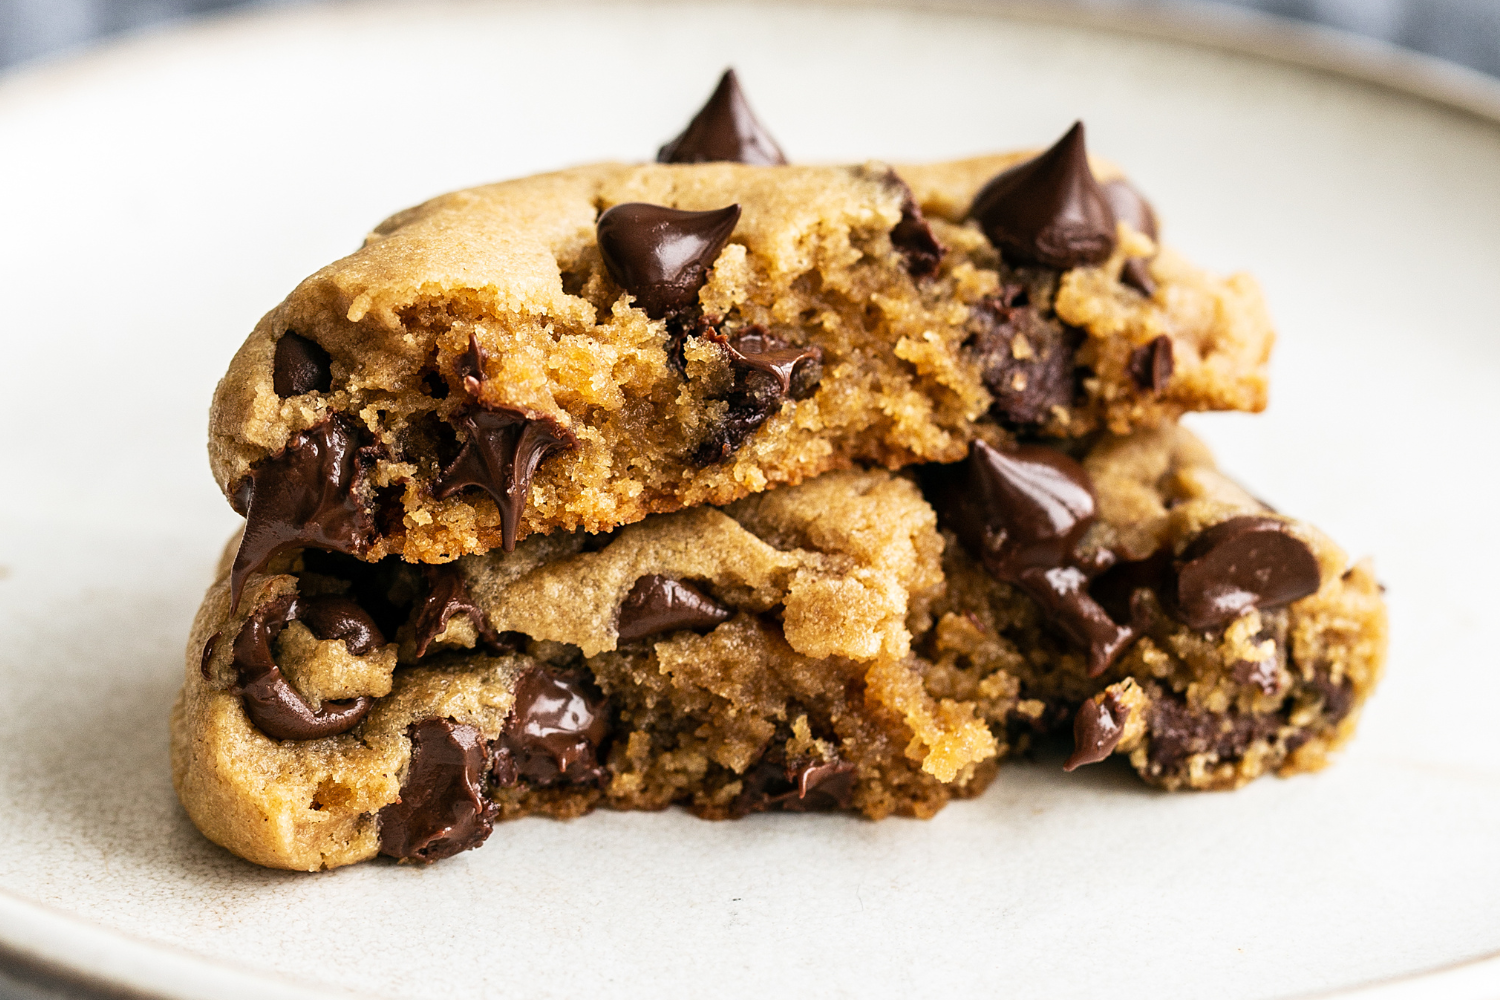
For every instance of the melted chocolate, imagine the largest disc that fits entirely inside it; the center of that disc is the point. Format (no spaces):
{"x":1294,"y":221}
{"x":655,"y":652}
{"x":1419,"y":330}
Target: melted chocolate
{"x":766,"y":371}
{"x":304,"y":495}
{"x":1097,"y":729}
{"x":1151,"y":364}
{"x":1136,"y":273}
{"x":773,"y":783}
{"x":661,"y":604}
{"x":1130,"y":206}
{"x":442,"y":810}
{"x":912,"y":237}
{"x":724,"y":130}
{"x":448,"y":595}
{"x":1178,"y":733}
{"x":1028,"y":381}
{"x":300,"y":366}
{"x":1022,"y":514}
{"x":662,"y":255}
{"x":1239,"y":564}
{"x":504,"y":447}
{"x":272,"y":704}
{"x":1049,"y":210}
{"x":553,"y":733}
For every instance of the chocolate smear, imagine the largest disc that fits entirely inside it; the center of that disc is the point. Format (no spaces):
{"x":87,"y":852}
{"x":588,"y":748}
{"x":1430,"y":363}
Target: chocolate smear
{"x":1130,"y":206}
{"x":1024,"y":356}
{"x":504,"y":446}
{"x":1049,"y":210}
{"x":272,"y":704}
{"x":448,"y":595}
{"x":661,"y":604}
{"x":442,"y":810}
{"x":766,"y":371}
{"x":553,"y":733}
{"x":1242,"y":563}
{"x":912,"y":236}
{"x":1022,"y":514}
{"x":724,"y":130}
{"x":1136,"y":273}
{"x":299,"y":497}
{"x":1151,"y":364}
{"x":662,"y":255}
{"x":300,"y":366}
{"x":1097,"y":729}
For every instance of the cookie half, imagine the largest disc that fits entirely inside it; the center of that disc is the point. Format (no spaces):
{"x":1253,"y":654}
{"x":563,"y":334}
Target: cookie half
{"x":582,"y":349}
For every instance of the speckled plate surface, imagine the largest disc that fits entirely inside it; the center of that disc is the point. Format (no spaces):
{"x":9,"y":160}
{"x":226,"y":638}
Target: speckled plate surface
{"x":158,"y":196}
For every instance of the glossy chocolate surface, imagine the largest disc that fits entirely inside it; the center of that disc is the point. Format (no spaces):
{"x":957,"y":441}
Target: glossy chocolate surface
{"x":662,"y":255}
{"x":1022,"y":514}
{"x":1097,"y":729}
{"x":1049,"y":210}
{"x":272,"y":704}
{"x":553,"y":733}
{"x":442,"y":810}
{"x":448,"y":595}
{"x":725,"y":129}
{"x":1242,"y":563}
{"x":302,"y":496}
{"x":503,"y":447}
{"x":659,"y":604}
{"x":1130,"y":206}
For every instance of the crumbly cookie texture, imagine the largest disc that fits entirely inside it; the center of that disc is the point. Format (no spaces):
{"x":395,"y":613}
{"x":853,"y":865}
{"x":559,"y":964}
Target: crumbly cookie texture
{"x":477,"y":372}
{"x":1250,"y":643}
{"x":733,"y":660}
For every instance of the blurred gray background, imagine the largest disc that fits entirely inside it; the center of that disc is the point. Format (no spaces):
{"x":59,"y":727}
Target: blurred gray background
{"x":1465,"y":31}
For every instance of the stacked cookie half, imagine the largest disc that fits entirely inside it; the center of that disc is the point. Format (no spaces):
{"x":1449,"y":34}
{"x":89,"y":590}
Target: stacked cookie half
{"x":746,"y":486}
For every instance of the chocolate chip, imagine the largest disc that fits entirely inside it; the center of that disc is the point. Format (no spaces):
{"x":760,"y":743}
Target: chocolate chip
{"x":271,"y":703}
{"x":826,"y":785}
{"x":724,"y":130}
{"x":766,"y":371}
{"x":333,"y":617}
{"x":448,"y":595}
{"x":773,"y":783}
{"x":553,"y":733}
{"x":912,"y":237}
{"x":304,"y":495}
{"x":209,"y":648}
{"x":300,"y":366}
{"x":442,"y":810}
{"x":1097,"y":729}
{"x":1338,"y":699}
{"x":1049,"y":210}
{"x":662,"y":255}
{"x":1024,"y":357}
{"x":1261,"y":674}
{"x":1130,"y":206}
{"x":504,"y":446}
{"x":661,"y":604}
{"x":1239,"y":564}
{"x":1151,"y":364}
{"x":1118,"y":589}
{"x":1136,"y":273}
{"x":1177,"y":733}
{"x":1022,"y":514}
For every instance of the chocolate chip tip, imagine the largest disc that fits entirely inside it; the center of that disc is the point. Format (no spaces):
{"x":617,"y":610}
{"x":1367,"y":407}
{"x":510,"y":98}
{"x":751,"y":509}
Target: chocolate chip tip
{"x":725,"y":129}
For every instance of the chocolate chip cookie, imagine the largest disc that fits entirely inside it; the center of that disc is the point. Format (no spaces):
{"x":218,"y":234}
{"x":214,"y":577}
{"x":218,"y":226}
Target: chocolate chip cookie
{"x":1140,"y":595}
{"x":732,"y":660}
{"x":584,"y":348}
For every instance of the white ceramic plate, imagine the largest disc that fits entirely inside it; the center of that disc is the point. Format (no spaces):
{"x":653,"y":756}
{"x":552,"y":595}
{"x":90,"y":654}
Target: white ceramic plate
{"x":158,"y":196}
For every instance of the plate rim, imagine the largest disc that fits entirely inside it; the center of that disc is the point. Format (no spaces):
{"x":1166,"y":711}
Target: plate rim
{"x":101,"y":963}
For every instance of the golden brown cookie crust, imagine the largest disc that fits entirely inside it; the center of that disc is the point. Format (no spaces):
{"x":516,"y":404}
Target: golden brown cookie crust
{"x":515,"y":266}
